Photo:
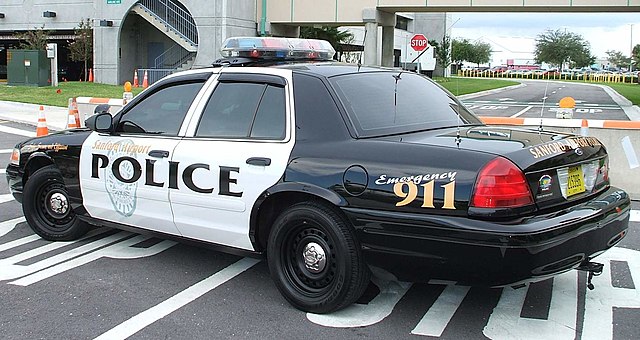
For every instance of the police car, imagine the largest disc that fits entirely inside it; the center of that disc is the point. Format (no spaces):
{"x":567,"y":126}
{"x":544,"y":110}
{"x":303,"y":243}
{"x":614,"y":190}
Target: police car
{"x":331,"y":171}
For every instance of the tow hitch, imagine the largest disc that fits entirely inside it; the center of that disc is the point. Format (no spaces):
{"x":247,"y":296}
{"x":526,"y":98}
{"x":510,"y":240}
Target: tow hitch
{"x":593,"y":268}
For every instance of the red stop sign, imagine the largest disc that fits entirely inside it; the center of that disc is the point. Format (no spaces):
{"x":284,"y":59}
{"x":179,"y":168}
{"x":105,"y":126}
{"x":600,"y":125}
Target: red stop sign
{"x":419,"y":42}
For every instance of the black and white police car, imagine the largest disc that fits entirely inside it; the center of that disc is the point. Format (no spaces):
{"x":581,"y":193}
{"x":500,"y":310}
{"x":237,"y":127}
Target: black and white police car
{"x":332,"y":171}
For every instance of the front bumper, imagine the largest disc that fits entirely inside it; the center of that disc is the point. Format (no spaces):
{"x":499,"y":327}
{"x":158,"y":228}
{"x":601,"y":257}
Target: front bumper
{"x":416,"y":247}
{"x":14,"y":179}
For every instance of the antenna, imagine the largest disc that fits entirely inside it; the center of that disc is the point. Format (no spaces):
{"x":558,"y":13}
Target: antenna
{"x":363,"y":42}
{"x":544,"y":100}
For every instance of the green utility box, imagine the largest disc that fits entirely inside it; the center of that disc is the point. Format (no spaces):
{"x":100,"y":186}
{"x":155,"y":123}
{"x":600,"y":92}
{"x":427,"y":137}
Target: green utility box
{"x":28,"y":68}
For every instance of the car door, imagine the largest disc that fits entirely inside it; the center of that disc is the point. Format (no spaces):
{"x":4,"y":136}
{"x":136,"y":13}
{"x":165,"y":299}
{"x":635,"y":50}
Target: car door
{"x":125,"y":177}
{"x":238,"y":147}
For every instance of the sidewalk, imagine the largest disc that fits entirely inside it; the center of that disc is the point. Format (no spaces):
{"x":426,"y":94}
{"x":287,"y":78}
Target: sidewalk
{"x":57,"y":117}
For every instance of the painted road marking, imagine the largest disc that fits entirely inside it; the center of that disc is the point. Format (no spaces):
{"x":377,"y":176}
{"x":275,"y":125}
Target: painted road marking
{"x":6,"y":197}
{"x":635,"y":216}
{"x":18,"y":132}
{"x":360,"y":315}
{"x":6,"y":150}
{"x":7,"y":226}
{"x":439,"y":315}
{"x":122,"y":249}
{"x":18,"y":242}
{"x":146,"y":318}
{"x":3,"y":171}
{"x":521,"y":112}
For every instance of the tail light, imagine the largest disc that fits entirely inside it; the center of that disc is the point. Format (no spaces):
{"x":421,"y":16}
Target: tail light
{"x":501,"y":184}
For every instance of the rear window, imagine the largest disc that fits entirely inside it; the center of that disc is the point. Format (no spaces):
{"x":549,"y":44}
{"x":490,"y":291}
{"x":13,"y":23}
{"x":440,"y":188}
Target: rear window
{"x":384,"y":103}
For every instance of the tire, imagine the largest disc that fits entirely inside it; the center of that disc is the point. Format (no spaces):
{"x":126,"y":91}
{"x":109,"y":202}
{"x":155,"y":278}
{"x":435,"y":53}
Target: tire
{"x":316,"y":286}
{"x":46,"y":207}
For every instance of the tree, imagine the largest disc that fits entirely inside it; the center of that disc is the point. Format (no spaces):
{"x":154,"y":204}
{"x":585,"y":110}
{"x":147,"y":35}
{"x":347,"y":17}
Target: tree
{"x":329,"y":33}
{"x":442,"y":52}
{"x":461,"y":50}
{"x":635,"y":55}
{"x":480,"y":53}
{"x":617,"y":59}
{"x":557,"y":47}
{"x":81,"y":48}
{"x":34,"y":40}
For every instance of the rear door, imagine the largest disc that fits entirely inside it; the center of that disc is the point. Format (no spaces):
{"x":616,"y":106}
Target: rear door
{"x":233,"y":151}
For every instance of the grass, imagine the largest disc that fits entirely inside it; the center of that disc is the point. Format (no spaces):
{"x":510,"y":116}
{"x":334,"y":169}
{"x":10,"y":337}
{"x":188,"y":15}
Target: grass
{"x":459,"y":86}
{"x":49,"y":95}
{"x":629,"y":91}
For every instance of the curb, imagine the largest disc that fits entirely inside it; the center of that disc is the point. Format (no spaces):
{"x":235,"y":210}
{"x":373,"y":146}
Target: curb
{"x":571,"y":123}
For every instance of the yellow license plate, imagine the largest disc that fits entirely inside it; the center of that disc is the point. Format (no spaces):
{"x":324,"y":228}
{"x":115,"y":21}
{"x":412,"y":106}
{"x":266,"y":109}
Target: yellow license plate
{"x":575,"y":184}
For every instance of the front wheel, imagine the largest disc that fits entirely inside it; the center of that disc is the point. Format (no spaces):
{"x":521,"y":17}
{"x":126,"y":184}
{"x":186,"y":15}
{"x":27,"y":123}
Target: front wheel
{"x":46,"y":207}
{"x":315,"y":259}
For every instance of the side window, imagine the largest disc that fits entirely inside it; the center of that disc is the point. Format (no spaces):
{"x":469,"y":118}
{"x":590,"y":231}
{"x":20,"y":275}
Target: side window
{"x":244,"y":110}
{"x":162,"y":112}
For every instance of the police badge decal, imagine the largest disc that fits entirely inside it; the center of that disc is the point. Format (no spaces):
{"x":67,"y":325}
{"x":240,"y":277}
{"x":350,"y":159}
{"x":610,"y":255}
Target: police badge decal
{"x":122,"y":195}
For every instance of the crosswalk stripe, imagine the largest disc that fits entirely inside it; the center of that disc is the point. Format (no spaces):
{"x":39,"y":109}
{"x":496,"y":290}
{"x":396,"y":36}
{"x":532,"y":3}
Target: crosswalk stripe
{"x":7,"y":226}
{"x":6,"y":150}
{"x":3,"y":171}
{"x":635,"y":216}
{"x":6,"y":197}
{"x":14,"y":131}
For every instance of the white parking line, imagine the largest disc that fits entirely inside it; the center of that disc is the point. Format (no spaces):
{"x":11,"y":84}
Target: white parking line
{"x":18,"y":132}
{"x":439,"y":315}
{"x":6,"y":150}
{"x":159,"y":311}
{"x":6,"y":197}
{"x":521,"y":111}
{"x":635,"y":216}
{"x":3,"y":171}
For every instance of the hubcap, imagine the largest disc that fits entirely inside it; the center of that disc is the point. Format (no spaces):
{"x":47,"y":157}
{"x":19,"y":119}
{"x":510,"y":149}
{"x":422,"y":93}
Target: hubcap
{"x":314,"y":257}
{"x":58,"y":203}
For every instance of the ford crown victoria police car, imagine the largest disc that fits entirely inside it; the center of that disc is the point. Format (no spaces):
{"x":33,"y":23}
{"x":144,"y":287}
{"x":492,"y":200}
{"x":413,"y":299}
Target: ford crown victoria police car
{"x":329,"y":170}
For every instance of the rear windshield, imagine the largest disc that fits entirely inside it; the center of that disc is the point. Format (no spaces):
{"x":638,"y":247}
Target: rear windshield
{"x":384,"y":103}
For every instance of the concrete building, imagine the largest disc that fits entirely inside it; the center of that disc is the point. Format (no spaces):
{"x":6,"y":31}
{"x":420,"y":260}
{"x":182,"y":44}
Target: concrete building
{"x":165,"y":35}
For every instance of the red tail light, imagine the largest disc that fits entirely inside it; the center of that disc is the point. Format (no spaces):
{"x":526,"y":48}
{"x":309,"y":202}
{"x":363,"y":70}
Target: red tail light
{"x":501,"y":184}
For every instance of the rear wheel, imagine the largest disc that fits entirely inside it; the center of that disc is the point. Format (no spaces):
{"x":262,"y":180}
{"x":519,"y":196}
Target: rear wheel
{"x":315,"y":259}
{"x":46,"y":207}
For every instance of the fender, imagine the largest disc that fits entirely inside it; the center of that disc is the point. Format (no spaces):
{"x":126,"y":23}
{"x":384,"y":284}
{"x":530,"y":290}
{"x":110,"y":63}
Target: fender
{"x":283,"y":188}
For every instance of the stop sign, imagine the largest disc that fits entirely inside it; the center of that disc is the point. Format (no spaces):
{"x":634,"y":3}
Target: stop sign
{"x":419,"y":42}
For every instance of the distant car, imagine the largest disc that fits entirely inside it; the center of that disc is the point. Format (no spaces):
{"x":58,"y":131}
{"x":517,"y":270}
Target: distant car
{"x":330,"y":172}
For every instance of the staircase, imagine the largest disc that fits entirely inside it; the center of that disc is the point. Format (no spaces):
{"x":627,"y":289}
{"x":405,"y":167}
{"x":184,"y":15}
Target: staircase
{"x":177,"y":24}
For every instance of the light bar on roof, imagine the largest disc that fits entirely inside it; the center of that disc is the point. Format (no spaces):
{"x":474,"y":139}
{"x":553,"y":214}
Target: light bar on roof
{"x":277,"y":48}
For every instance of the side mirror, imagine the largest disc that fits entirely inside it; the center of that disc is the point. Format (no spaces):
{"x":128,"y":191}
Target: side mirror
{"x":102,"y":122}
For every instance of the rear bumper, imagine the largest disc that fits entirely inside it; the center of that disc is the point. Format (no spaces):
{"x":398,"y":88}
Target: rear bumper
{"x":14,"y":179}
{"x":417,"y":247}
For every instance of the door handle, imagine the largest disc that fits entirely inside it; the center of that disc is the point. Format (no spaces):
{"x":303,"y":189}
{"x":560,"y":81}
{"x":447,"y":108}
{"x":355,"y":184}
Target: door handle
{"x":260,"y":161}
{"x":159,"y":153}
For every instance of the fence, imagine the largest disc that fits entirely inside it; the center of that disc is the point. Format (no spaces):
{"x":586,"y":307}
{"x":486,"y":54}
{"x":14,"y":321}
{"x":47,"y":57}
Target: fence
{"x":587,"y":77}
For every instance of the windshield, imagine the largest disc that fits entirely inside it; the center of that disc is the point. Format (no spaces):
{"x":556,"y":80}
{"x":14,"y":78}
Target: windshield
{"x":384,"y":103}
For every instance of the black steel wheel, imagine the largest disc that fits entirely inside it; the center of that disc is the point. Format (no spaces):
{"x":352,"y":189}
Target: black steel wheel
{"x":315,"y":259}
{"x":46,"y":207}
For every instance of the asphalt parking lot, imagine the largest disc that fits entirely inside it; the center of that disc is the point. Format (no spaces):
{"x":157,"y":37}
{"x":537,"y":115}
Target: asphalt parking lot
{"x":116,"y":285}
{"x":541,"y":98}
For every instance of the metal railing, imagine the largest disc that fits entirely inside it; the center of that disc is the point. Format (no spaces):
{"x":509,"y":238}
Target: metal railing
{"x":153,"y":74}
{"x":173,"y":58}
{"x":175,"y":17}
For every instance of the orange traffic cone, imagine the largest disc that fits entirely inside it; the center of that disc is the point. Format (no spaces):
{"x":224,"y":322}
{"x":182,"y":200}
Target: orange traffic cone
{"x":41,"y":129}
{"x":73,"y":121}
{"x":145,"y":80}
{"x":135,"y":78}
{"x":584,"y":128}
{"x":90,"y":75}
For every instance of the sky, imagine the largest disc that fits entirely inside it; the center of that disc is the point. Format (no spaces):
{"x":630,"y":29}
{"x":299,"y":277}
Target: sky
{"x":512,"y":35}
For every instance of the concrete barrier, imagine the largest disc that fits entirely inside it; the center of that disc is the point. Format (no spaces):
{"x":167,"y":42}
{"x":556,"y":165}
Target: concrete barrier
{"x":86,"y":105}
{"x":610,"y":133}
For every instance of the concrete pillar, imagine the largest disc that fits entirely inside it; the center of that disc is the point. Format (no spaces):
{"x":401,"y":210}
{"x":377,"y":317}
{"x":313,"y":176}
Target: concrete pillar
{"x":387,"y":46}
{"x":106,"y":60}
{"x":371,"y":43}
